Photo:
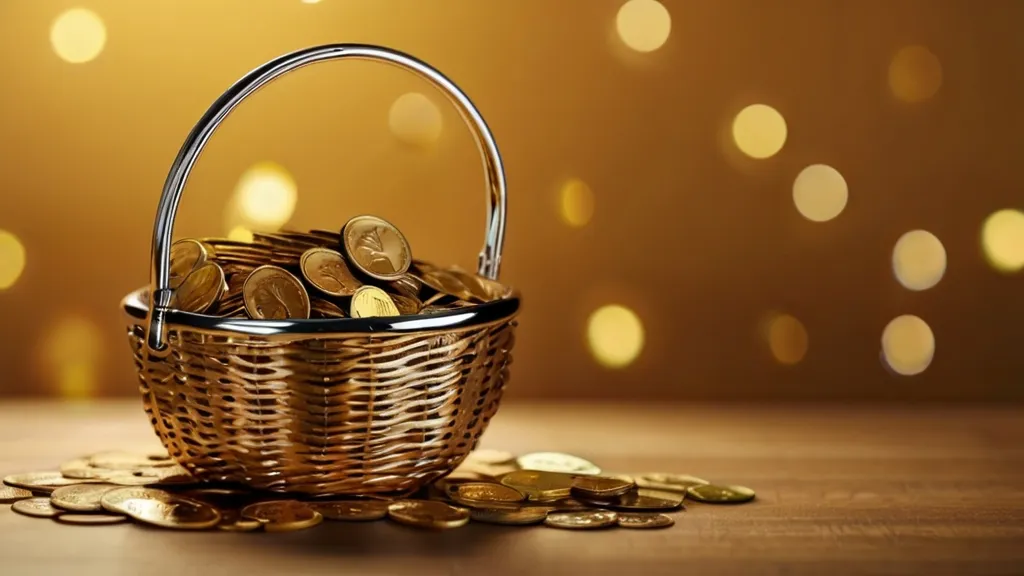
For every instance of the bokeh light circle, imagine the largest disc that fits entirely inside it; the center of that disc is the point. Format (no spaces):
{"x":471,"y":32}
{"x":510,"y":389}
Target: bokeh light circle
{"x":12,"y":259}
{"x":643,"y":25}
{"x":915,"y":74}
{"x":918,"y":260}
{"x":615,"y":335}
{"x":1002,"y":240}
{"x":759,"y":131}
{"x":576,"y":203}
{"x":820,"y":192}
{"x":73,"y":350}
{"x":415,"y":120}
{"x":78,"y":35}
{"x":240,"y":234}
{"x":908,"y":345}
{"x":266,"y":195}
{"x":787,"y":339}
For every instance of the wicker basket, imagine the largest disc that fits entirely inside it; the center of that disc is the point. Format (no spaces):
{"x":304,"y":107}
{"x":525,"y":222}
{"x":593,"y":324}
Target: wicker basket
{"x":332,"y":406}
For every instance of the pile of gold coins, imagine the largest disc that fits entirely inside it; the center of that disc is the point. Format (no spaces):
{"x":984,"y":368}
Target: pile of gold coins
{"x":494,"y":487}
{"x":365,"y":270}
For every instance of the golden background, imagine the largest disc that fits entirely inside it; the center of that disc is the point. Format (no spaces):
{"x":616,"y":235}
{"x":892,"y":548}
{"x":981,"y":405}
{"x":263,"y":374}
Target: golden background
{"x":661,"y":232}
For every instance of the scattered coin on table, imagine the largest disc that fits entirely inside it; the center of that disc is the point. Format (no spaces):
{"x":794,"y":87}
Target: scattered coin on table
{"x":489,"y":487}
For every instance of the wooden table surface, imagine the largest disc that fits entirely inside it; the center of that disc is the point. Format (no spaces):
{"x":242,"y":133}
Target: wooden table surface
{"x":865,"y":490}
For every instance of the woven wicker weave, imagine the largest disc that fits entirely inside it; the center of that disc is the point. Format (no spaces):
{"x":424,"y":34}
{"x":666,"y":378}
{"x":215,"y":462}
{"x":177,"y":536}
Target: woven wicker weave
{"x":333,"y":406}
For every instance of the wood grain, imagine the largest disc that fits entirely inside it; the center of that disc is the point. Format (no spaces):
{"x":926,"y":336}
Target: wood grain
{"x":863,"y":490}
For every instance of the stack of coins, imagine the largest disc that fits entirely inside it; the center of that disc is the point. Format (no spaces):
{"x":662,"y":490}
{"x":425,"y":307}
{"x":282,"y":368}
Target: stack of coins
{"x":493,"y":487}
{"x":365,"y":270}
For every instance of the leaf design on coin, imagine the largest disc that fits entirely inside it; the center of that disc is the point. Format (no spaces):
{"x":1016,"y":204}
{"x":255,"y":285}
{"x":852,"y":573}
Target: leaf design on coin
{"x":332,"y":271}
{"x":270,"y":301}
{"x":372,"y":245}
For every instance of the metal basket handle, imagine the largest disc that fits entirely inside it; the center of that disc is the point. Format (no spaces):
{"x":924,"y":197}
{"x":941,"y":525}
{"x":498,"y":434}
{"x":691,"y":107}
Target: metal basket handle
{"x":490,"y":255}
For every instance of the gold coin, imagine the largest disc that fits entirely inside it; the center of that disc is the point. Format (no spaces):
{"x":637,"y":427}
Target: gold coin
{"x":232,"y":521}
{"x":283,"y":515}
{"x":567,"y":505}
{"x":642,"y":499}
{"x":539,"y":484}
{"x":372,"y":301}
{"x":598,"y":487}
{"x":272,"y":293}
{"x":712,"y":494}
{"x":327,"y":309}
{"x":488,"y":493}
{"x":670,"y":482}
{"x":582,"y":520}
{"x":490,"y":457}
{"x":326,"y":270}
{"x":645,"y":520}
{"x":36,"y":507}
{"x":407,"y":285}
{"x":90,"y":519}
{"x":376,"y":247}
{"x":427,"y":514}
{"x":200,"y":290}
{"x":160,"y":508}
{"x":406,"y":305}
{"x":352,"y":510}
{"x":81,"y":497}
{"x":10,"y":494}
{"x":517,"y":517}
{"x":41,"y":481}
{"x":557,"y":462}
{"x":186,"y":256}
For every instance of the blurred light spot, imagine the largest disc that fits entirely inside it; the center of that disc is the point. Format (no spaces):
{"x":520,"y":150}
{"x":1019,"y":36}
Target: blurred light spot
{"x":12,"y":259}
{"x":615,"y":335}
{"x":577,"y":203}
{"x":240,"y":234}
{"x":759,"y":131}
{"x":78,"y":35}
{"x":787,"y":338}
{"x":820,"y":192}
{"x":915,"y":74}
{"x":267,"y":195}
{"x":1002,"y":239}
{"x":643,"y":25}
{"x":415,"y":119}
{"x":310,"y":1}
{"x":918,"y":260}
{"x":72,"y":351}
{"x":908,"y":345}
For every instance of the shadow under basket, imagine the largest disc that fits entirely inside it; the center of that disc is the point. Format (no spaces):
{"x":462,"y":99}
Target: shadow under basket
{"x":326,"y":412}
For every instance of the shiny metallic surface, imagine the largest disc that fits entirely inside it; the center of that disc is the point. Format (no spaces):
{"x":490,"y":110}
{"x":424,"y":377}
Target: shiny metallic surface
{"x":490,"y":255}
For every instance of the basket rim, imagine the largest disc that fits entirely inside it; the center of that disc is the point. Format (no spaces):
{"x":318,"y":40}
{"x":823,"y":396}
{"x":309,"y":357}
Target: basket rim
{"x":481,"y":314}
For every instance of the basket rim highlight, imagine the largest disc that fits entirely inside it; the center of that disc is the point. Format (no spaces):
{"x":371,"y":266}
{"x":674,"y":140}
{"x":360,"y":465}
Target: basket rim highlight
{"x":478,"y":315}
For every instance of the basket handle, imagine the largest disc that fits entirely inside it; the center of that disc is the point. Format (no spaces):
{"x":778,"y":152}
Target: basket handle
{"x":490,"y":255}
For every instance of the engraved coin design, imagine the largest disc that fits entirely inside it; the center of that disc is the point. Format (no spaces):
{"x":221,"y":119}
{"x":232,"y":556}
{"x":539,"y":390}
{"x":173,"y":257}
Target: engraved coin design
{"x":283,"y":515}
{"x":36,"y":507}
{"x":488,"y":493}
{"x":428,"y":514}
{"x":80,"y":497}
{"x":326,"y":270}
{"x":644,"y":520}
{"x":10,"y":494}
{"x":376,"y":247}
{"x":161,"y":509}
{"x":352,"y":510}
{"x":557,"y":462}
{"x":712,"y":494}
{"x":200,"y":290}
{"x":273,"y":293}
{"x":371,"y":301}
{"x":582,"y":520}
{"x":539,"y":484}
{"x":186,"y":256}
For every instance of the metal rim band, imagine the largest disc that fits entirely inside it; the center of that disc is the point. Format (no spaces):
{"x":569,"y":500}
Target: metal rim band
{"x":160,"y":311}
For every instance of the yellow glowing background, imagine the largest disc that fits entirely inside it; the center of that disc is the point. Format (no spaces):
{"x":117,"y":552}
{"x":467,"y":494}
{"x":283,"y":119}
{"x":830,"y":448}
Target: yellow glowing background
{"x":730,"y":200}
